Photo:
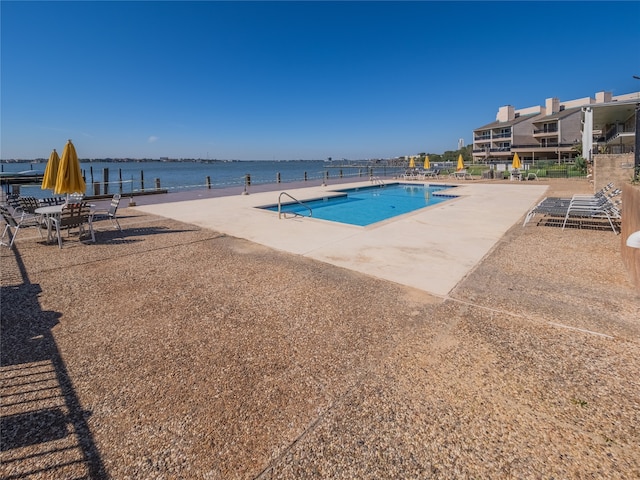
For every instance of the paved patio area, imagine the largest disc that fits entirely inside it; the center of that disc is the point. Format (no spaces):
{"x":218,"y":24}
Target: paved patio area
{"x":431,"y":249}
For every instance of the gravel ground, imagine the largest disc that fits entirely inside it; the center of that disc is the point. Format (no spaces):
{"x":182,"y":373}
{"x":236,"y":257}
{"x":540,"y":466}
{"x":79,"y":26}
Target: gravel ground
{"x":169,"y":351}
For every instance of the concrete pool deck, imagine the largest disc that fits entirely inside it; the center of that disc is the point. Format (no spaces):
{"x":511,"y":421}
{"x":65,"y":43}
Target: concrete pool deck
{"x":432,"y":249}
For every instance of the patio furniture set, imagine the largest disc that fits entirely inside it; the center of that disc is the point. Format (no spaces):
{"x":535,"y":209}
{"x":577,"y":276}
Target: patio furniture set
{"x":55,"y":215}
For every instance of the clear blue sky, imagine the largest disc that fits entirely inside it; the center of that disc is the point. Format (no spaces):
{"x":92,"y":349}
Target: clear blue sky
{"x":295,"y":80}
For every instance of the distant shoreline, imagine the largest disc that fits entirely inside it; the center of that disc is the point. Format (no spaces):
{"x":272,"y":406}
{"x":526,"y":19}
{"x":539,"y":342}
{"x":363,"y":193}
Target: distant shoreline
{"x":148,"y":160}
{"x":329,"y":163}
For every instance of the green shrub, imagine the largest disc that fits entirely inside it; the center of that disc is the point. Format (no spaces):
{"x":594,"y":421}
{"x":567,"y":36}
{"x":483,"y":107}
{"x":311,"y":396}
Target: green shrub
{"x":581,"y":165}
{"x":557,"y":172}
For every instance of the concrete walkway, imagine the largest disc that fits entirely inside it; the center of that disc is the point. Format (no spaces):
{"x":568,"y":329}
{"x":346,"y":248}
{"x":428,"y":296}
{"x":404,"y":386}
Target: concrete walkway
{"x":431,"y":249}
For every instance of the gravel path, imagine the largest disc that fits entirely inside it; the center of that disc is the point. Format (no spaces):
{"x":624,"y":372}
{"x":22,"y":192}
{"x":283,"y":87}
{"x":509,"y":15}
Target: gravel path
{"x":171,"y":351}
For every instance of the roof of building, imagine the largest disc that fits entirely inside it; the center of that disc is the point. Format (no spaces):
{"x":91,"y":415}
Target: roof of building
{"x":558,"y":115}
{"x":602,"y":107}
{"x":540,"y":117}
{"x":508,"y":123}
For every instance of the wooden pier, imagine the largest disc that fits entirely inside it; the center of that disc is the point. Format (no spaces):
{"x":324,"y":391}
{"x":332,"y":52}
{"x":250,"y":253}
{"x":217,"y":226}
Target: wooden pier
{"x":8,"y":180}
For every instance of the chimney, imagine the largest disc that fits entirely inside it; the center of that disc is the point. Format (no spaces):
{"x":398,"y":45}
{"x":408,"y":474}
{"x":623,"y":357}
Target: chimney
{"x":603,"y":97}
{"x":506,"y":113}
{"x":552,"y":105}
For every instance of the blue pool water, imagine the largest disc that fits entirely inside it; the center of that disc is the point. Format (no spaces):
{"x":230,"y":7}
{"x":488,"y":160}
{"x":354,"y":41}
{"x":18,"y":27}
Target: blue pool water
{"x":367,"y":205}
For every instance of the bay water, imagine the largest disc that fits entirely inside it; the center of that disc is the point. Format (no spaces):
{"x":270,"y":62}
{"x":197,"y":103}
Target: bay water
{"x":187,"y":175}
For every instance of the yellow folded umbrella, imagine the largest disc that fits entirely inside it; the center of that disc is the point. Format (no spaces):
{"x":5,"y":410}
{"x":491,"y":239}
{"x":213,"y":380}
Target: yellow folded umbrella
{"x":69,"y":179}
{"x":412,"y":162}
{"x":460,"y":163}
{"x":427,"y":164}
{"x":516,"y":161}
{"x":51,"y":171}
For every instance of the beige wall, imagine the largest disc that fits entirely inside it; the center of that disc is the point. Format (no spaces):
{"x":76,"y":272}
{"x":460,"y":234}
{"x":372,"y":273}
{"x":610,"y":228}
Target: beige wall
{"x":630,"y":224}
{"x":619,"y":170}
{"x":570,"y":129}
{"x":612,"y":168}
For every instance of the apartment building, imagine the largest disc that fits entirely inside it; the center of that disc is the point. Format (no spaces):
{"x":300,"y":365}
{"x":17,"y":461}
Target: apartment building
{"x":559,"y":130}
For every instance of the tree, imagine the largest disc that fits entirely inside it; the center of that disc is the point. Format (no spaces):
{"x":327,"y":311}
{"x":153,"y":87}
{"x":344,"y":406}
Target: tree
{"x":577,"y":149}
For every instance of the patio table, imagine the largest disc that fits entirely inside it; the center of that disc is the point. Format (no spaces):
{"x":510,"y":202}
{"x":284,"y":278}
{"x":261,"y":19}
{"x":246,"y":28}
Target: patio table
{"x":48,"y":212}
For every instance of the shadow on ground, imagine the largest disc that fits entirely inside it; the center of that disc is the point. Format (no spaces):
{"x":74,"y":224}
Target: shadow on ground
{"x":52,"y":439}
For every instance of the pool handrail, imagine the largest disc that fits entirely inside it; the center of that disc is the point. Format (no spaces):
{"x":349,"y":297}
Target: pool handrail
{"x":295,"y":200}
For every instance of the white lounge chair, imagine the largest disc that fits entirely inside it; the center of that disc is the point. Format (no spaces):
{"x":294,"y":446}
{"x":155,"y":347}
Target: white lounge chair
{"x":585,"y":211}
{"x":461,"y":174}
{"x":410,"y":175}
{"x":578,"y":209}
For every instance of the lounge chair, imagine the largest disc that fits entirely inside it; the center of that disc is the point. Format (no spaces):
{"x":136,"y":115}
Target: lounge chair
{"x":410,"y":175}
{"x":585,"y":211}
{"x":557,"y":206}
{"x":578,"y":208}
{"x":461,"y":174}
{"x":604,"y":193}
{"x":549,"y":206}
{"x":109,"y":213}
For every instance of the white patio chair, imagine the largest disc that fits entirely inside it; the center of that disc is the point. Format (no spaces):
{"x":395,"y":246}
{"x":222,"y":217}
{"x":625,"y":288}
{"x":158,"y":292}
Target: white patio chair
{"x":73,"y":215}
{"x":16,"y":223}
{"x":110,"y":213}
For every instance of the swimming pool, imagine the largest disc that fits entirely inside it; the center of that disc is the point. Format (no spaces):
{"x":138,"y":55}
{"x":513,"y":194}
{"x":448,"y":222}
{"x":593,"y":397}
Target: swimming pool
{"x":371,"y":204}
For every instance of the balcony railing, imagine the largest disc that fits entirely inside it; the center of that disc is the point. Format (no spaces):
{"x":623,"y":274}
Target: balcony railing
{"x":540,"y":131}
{"x":615,"y":131}
{"x":548,"y":145}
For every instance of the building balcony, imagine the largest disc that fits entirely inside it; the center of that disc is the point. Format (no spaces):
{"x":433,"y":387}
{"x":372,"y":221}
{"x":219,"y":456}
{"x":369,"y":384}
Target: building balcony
{"x":548,"y":146}
{"x":488,"y":138}
{"x":619,"y":134}
{"x":545,"y":133}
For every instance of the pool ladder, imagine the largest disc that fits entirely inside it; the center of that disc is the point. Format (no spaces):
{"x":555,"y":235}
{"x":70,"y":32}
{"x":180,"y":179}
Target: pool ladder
{"x":295,"y":214}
